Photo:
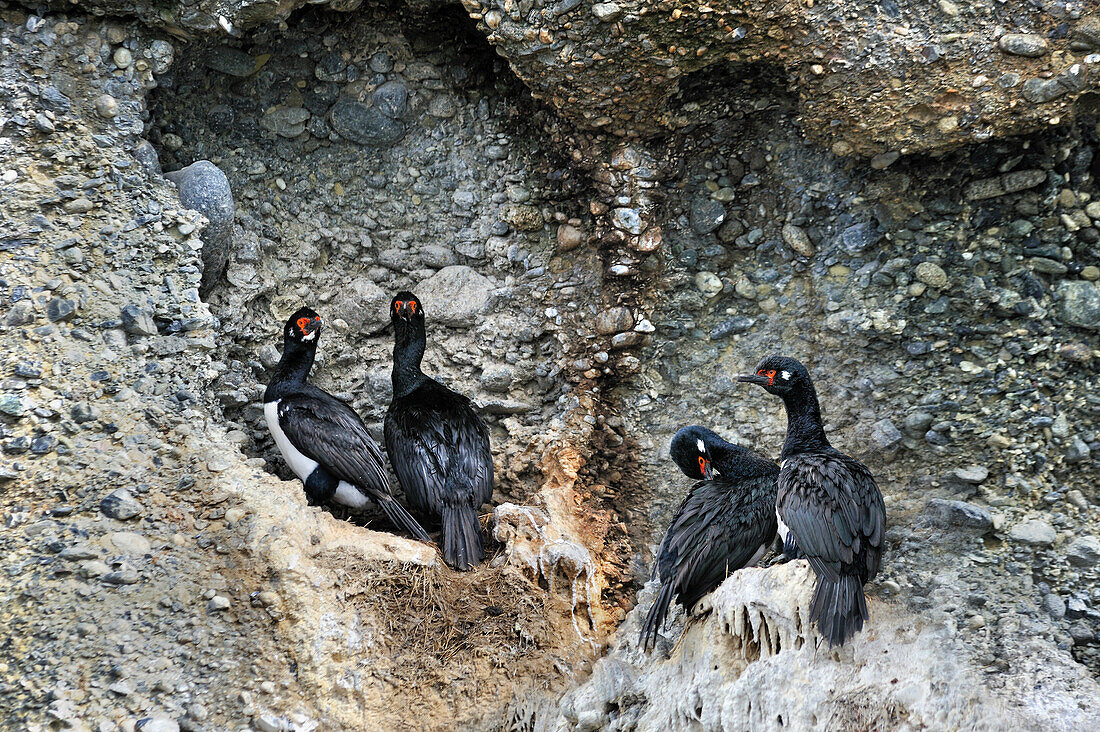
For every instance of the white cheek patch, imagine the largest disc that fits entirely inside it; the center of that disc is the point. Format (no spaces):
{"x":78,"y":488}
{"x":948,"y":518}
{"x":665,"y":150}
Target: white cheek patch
{"x":309,"y":336}
{"x":702,"y":448}
{"x":786,"y":375}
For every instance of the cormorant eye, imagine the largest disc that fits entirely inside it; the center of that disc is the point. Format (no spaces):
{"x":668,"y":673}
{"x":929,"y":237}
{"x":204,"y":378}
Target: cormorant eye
{"x":412,"y":306}
{"x":702,"y":465}
{"x":397,"y":305}
{"x":302,"y":323}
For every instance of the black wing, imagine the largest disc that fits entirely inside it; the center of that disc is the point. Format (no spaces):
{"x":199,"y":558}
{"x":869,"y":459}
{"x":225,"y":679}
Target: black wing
{"x":717,"y":529}
{"x":439,"y":449}
{"x":835,"y":510}
{"x":327,"y":430}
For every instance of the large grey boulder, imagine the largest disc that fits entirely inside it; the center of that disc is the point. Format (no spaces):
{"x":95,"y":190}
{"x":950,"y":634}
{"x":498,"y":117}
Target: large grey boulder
{"x":364,"y":306}
{"x":455,"y":296}
{"x":204,"y":188}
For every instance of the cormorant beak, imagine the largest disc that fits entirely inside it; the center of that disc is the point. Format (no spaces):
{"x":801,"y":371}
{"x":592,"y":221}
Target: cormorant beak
{"x":708,"y":470}
{"x":310,"y":329}
{"x":753,"y":379}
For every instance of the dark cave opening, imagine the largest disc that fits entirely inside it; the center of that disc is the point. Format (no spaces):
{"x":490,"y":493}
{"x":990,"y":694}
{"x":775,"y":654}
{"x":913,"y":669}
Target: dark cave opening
{"x":340,"y":218}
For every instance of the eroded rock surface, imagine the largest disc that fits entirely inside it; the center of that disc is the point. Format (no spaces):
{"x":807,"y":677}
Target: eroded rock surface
{"x":753,"y":661}
{"x":596,"y":295}
{"x":871,"y":78}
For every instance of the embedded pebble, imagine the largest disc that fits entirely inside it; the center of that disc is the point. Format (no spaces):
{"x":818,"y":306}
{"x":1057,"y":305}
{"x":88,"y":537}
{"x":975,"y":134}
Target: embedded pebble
{"x":285,"y":121}
{"x":627,"y":219}
{"x":121,"y":505}
{"x":157,"y":724}
{"x":365,"y":125}
{"x":1024,"y":44}
{"x":1084,"y":551}
{"x":708,"y":283}
{"x":122,"y":58}
{"x":218,"y":603}
{"x":128,"y":542}
{"x":391,"y":98}
{"x":959,"y":514}
{"x":859,"y":237}
{"x":569,"y":237}
{"x":138,"y":320}
{"x":931,"y":274}
{"x":614,"y":320}
{"x":797,"y":239}
{"x":606,"y":12}
{"x":1035,"y":532}
{"x":106,"y":106}
{"x":973,"y":474}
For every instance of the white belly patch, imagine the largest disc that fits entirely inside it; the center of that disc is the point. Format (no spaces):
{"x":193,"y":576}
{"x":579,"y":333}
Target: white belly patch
{"x":348,"y":495}
{"x":783,"y":530}
{"x":299,"y":463}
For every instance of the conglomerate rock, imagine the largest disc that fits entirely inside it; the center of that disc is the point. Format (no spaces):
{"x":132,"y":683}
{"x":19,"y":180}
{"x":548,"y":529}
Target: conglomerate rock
{"x":872,"y":78}
{"x":945,"y":305}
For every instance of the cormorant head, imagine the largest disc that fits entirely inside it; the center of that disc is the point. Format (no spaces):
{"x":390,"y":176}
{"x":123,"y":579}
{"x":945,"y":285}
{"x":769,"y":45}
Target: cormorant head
{"x":780,"y":375}
{"x":691,"y":453}
{"x":406,"y":306}
{"x":304,"y":326}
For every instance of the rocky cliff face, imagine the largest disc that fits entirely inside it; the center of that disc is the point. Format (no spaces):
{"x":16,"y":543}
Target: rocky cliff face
{"x":662,"y":196}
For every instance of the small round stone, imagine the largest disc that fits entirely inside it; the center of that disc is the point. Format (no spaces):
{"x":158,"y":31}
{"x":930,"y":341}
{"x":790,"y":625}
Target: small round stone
{"x":650,"y":240}
{"x":106,"y":106}
{"x":708,"y":283}
{"x":1024,"y":44}
{"x":120,"y":505}
{"x":122,"y":58}
{"x":797,"y":239}
{"x":932,"y":275}
{"x":614,"y":320}
{"x":569,"y":237}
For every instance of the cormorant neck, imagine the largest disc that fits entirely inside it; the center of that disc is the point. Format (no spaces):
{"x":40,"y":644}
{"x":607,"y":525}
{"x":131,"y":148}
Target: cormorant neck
{"x":293,"y":368}
{"x":730,"y":460}
{"x":408,"y":351}
{"x":805,"y":429}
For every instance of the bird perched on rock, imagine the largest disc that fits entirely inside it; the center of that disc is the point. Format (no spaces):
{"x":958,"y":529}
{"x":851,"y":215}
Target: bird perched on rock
{"x":438,"y":446}
{"x":726,"y":522}
{"x":321,"y":438}
{"x":828,"y":502}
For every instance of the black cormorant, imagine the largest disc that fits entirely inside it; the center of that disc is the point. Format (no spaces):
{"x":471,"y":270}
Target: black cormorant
{"x":321,"y":438}
{"x":438,"y":446}
{"x":828,"y":501}
{"x":726,"y":522}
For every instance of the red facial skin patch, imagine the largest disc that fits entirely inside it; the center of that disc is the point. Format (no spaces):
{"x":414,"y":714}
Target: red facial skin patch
{"x":412,"y":306}
{"x":770,"y":374}
{"x":703,"y":466}
{"x":302,"y":323}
